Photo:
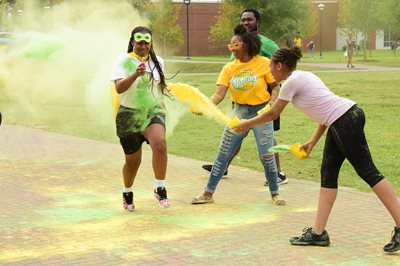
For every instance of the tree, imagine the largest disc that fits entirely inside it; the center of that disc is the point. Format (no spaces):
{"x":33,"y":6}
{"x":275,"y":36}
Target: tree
{"x":221,"y":32}
{"x":359,"y":16}
{"x":163,"y":16}
{"x":281,"y":20}
{"x":388,"y":15}
{"x":140,"y":5}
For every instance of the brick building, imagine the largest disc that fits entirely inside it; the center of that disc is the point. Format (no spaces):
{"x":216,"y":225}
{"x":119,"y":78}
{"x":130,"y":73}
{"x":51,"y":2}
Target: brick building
{"x":203,"y":14}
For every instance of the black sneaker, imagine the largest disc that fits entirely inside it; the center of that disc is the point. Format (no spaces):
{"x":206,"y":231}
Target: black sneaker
{"x":309,"y":238}
{"x":127,"y":201}
{"x":282,"y":179}
{"x":394,"y":244}
{"x":161,"y":194}
{"x":208,"y":168}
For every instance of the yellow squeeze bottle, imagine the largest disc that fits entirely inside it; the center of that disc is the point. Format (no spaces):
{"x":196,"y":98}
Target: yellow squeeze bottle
{"x":298,"y":152}
{"x":234,"y":121}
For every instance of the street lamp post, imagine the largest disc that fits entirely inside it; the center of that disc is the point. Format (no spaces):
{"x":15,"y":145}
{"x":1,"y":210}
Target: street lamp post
{"x":187,"y":2}
{"x":321,"y":8}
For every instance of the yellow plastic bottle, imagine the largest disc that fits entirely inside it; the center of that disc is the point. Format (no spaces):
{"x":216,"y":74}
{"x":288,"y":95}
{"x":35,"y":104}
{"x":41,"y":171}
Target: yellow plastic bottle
{"x":234,"y":121}
{"x":298,"y":152}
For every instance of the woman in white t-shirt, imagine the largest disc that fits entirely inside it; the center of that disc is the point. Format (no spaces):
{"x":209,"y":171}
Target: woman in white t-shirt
{"x":345,"y":139}
{"x":139,"y":79}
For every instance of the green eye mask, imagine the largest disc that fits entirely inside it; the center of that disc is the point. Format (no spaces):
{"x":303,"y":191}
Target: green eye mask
{"x":138,"y":37}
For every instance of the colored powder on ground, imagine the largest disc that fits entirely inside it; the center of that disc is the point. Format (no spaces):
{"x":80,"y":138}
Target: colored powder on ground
{"x":199,"y":103}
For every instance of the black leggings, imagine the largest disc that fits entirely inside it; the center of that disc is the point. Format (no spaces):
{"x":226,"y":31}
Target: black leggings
{"x":345,"y":139}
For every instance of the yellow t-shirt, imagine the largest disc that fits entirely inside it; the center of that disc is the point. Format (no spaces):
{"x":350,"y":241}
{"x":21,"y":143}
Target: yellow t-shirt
{"x":248,"y":81}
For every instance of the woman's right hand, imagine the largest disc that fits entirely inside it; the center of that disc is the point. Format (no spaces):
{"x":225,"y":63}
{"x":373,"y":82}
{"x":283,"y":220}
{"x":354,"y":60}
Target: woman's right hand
{"x":141,"y":69}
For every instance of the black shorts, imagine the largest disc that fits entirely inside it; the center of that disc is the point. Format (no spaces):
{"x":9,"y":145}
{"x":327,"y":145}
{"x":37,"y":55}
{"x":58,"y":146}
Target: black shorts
{"x":130,"y":128}
{"x":277,"y":123}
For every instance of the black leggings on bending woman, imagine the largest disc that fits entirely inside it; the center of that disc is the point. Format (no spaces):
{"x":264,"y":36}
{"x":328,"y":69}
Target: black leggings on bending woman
{"x":345,"y":139}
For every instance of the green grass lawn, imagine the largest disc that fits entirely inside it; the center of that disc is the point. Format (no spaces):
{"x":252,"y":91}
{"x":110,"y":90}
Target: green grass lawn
{"x":376,"y":57}
{"x":198,"y":137}
{"x":375,"y":93}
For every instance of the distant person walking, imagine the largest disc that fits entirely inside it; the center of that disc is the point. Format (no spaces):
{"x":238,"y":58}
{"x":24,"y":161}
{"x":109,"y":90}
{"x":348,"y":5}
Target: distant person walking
{"x":394,"y":47}
{"x":350,"y":44}
{"x":311,"y":46}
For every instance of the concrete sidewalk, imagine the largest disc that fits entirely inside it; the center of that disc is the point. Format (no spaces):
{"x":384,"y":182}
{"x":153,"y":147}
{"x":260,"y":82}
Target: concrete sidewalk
{"x":61,"y":205}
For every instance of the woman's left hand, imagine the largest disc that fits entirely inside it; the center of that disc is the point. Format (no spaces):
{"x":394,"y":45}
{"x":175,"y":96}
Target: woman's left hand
{"x":307,"y":146}
{"x":242,"y":127}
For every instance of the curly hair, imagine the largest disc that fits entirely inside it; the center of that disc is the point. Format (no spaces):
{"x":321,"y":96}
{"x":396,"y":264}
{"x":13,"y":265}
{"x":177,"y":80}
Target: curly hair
{"x":250,"y":39}
{"x":152,"y":55}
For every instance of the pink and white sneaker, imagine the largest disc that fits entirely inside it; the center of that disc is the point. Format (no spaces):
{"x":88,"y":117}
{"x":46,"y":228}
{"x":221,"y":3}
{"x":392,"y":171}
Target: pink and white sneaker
{"x":127,"y":201}
{"x":161,"y":194}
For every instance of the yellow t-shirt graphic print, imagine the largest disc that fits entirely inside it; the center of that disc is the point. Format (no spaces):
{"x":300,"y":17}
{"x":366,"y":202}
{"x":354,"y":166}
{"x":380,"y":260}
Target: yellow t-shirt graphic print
{"x":247,"y":82}
{"x":244,"y":80}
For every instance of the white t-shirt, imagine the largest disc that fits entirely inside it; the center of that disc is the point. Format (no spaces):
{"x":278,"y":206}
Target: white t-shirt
{"x":121,"y":71}
{"x":309,"y":94}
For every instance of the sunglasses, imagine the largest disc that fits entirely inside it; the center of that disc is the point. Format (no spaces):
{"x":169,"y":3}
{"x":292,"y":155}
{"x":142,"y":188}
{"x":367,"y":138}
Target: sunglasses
{"x":138,"y":37}
{"x":234,"y":45}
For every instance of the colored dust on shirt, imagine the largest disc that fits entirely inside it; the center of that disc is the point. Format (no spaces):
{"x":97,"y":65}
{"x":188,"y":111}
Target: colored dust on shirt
{"x":129,"y":65}
{"x":147,"y":107}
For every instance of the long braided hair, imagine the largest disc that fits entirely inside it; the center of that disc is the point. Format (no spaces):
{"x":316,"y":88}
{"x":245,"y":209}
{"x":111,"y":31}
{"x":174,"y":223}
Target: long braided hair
{"x":152,"y":56}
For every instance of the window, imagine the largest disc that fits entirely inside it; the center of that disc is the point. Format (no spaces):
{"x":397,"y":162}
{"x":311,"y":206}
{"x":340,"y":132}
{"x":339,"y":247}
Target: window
{"x":388,"y":38}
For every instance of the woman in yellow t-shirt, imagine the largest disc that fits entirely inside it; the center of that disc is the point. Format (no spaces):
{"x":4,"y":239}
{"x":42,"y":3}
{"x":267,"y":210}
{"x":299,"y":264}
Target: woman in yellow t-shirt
{"x":246,"y":79}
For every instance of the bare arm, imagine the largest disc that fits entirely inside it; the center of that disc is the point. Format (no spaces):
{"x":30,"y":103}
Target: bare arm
{"x":219,"y":94}
{"x":309,"y":145}
{"x":122,"y":85}
{"x":275,"y":92}
{"x":273,"y":113}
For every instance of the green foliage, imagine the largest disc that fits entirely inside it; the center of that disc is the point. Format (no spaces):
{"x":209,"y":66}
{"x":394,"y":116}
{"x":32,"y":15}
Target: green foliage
{"x":281,"y":20}
{"x":163,"y":16}
{"x":4,"y":23}
{"x":388,"y":16}
{"x":359,"y":16}
{"x":140,"y":5}
{"x":221,"y":32}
